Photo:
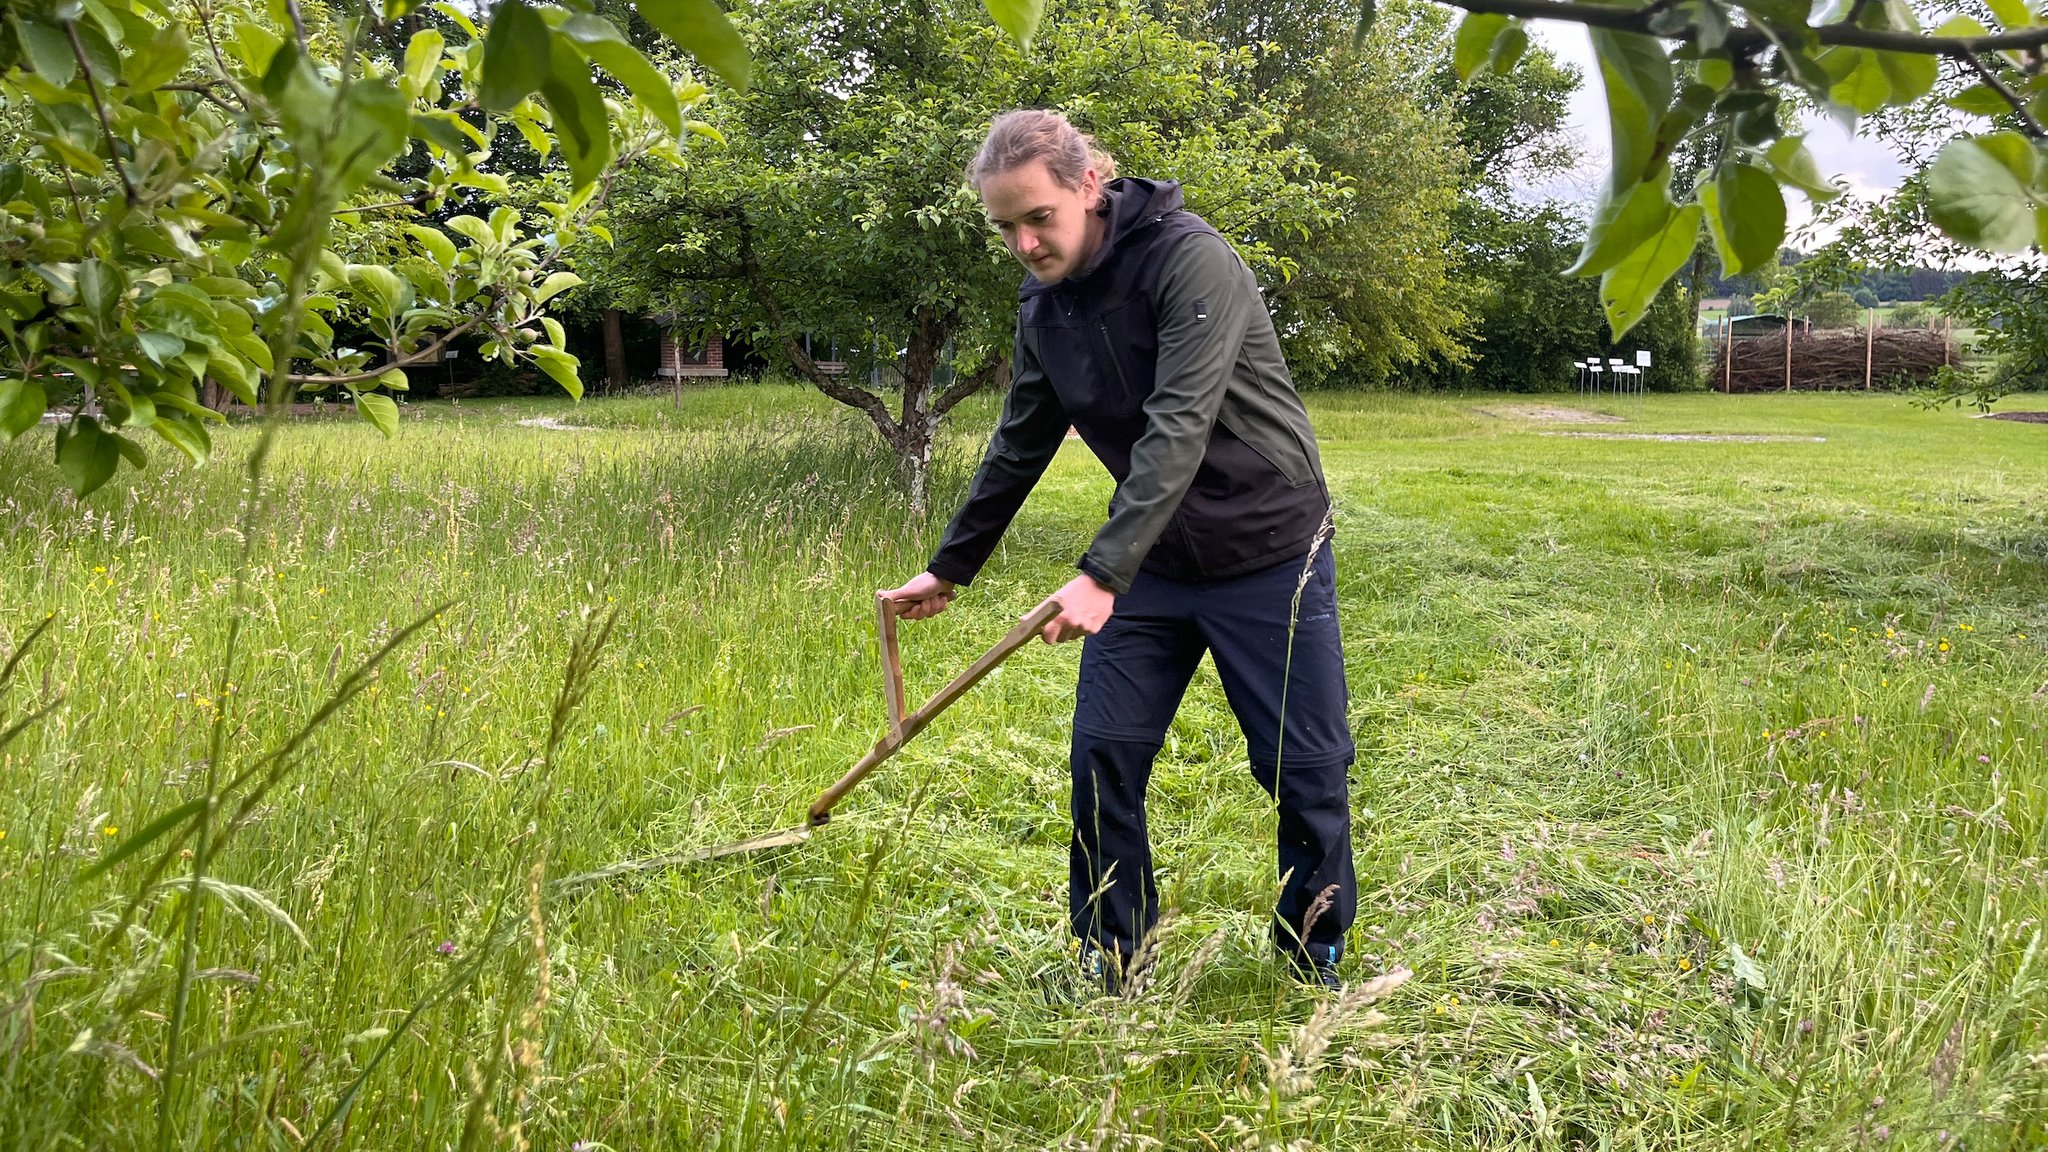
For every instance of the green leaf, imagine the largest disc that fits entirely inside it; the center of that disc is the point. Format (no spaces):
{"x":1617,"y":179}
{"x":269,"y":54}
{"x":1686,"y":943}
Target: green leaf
{"x":1628,"y":288}
{"x":556,"y":284}
{"x":158,"y":62}
{"x":1472,"y":47}
{"x":393,"y":381}
{"x":1746,"y":970}
{"x":422,"y":56}
{"x":1794,"y":165}
{"x":2010,"y":14}
{"x":380,"y":410}
{"x":154,"y":831}
{"x":703,"y":31}
{"x":1979,"y":100}
{"x":99,"y":289}
{"x":387,"y":289}
{"x":374,"y":129}
{"x":475,"y":229}
{"x":160,"y":347}
{"x":580,"y":121}
{"x":48,"y":51}
{"x":255,"y":46}
{"x":1980,"y":191}
{"x":436,"y":242}
{"x":125,"y":408}
{"x":1746,"y":214}
{"x":556,"y":336}
{"x":1857,"y":80}
{"x":1716,"y":72}
{"x":21,"y":406}
{"x":302,"y":98}
{"x":86,"y":455}
{"x":1910,"y":75}
{"x":1508,"y":48}
{"x":1636,"y":75}
{"x":232,"y":374}
{"x":515,"y":56}
{"x":1622,"y":225}
{"x":561,"y":366}
{"x":454,"y":12}
{"x":187,"y":436}
{"x":602,"y":41}
{"x":186,"y":405}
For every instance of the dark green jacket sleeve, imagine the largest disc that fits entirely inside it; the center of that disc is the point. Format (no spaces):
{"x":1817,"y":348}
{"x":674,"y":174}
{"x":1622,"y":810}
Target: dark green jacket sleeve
{"x":1204,"y":302}
{"x":1026,"y":439}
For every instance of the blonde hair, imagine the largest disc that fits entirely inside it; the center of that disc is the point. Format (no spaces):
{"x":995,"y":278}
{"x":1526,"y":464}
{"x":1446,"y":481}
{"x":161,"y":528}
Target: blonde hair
{"x":1017,"y":138}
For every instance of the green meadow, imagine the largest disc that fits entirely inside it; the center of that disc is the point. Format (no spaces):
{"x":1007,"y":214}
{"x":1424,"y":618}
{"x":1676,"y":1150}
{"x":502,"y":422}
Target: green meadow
{"x":1700,"y":801}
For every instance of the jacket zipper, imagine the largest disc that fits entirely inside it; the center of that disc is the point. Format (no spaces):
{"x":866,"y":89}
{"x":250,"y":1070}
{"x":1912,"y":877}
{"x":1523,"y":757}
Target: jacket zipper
{"x":1109,"y":350}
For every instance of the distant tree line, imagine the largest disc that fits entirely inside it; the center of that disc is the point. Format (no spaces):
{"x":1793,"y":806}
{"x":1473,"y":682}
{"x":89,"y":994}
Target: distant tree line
{"x":1868,"y":287}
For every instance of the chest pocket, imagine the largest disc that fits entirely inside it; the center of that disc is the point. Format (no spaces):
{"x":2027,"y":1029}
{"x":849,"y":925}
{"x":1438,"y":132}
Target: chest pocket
{"x":1101,"y":362}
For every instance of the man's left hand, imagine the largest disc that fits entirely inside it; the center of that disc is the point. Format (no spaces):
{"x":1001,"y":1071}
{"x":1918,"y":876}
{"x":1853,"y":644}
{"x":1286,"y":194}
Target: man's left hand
{"x":1085,"y":606}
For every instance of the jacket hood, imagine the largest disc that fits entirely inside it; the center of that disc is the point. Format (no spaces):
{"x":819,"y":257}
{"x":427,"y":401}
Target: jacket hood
{"x":1132,"y":204}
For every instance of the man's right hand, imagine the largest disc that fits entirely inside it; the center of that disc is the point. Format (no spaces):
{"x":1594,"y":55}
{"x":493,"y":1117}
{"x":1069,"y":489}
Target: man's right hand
{"x":925,"y":596}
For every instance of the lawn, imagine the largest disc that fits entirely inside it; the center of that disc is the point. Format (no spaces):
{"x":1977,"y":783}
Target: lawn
{"x":1702,"y":791}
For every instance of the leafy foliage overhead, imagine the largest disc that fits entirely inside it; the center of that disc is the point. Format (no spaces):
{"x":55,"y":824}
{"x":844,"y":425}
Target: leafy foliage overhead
{"x":173,"y":213}
{"x":1716,"y":72}
{"x":837,"y":214}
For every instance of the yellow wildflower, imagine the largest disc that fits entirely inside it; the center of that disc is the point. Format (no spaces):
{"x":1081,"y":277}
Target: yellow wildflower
{"x":111,"y":830}
{"x":1685,"y":963}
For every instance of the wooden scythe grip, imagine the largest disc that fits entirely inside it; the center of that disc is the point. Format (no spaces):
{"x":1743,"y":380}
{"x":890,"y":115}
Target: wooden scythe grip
{"x":892,"y":662}
{"x":901,"y":733}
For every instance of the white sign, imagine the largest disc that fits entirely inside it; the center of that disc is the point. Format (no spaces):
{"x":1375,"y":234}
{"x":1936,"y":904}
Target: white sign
{"x":1642,"y":357}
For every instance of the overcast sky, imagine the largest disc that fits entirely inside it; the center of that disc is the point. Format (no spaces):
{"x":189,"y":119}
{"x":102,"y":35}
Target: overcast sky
{"x":1867,"y":166}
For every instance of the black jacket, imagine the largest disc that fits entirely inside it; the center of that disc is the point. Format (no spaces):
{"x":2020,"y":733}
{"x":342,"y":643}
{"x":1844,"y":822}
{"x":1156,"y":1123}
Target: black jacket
{"x":1162,"y":356}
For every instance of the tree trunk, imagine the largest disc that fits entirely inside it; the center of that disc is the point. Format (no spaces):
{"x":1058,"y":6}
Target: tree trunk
{"x":916,"y":421}
{"x":614,"y":350}
{"x":910,"y":432}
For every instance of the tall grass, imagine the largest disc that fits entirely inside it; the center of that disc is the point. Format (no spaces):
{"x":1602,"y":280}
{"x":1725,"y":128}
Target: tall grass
{"x":1688,"y":827}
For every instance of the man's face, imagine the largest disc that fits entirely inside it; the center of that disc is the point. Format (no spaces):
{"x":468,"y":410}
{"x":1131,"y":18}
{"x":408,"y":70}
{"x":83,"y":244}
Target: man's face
{"x":1045,"y":226}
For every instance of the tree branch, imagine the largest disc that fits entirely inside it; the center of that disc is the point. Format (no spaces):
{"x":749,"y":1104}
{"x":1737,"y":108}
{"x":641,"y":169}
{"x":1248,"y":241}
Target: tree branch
{"x":965,"y":386}
{"x":405,"y":361}
{"x":99,"y":105}
{"x":2005,"y":93}
{"x":1637,"y":20}
{"x":846,"y":394}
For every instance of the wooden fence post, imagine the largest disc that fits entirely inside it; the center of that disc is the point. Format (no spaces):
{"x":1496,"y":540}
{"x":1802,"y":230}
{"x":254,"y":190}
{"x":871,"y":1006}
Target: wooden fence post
{"x":1728,"y":373}
{"x":1869,"y":340}
{"x":1788,"y":353}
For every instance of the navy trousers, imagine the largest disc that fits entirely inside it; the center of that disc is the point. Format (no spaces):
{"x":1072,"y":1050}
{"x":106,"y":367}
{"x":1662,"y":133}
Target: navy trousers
{"x":1289,"y":698}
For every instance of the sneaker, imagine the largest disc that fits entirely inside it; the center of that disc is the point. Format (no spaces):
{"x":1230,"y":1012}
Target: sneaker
{"x":1102,"y":970}
{"x":1316,"y":968}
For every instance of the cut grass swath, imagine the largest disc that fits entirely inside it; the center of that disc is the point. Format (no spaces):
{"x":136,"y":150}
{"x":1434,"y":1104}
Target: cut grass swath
{"x":902,"y":729}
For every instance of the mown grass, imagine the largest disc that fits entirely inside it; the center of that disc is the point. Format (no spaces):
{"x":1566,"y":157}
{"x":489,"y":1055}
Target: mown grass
{"x":1701,"y":789}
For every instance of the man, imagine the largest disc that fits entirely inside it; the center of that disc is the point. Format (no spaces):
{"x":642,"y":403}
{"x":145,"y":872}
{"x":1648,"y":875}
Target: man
{"x":1142,"y":328}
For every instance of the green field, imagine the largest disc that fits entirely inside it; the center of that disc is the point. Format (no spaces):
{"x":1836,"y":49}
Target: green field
{"x":1702,"y":789}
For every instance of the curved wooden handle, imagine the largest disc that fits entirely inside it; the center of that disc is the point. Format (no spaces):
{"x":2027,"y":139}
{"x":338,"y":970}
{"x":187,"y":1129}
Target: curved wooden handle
{"x":899,"y":735}
{"x":886,"y":611}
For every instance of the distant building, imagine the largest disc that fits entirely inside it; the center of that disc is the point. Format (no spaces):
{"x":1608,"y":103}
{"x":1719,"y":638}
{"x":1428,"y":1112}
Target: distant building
{"x":683,"y":360}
